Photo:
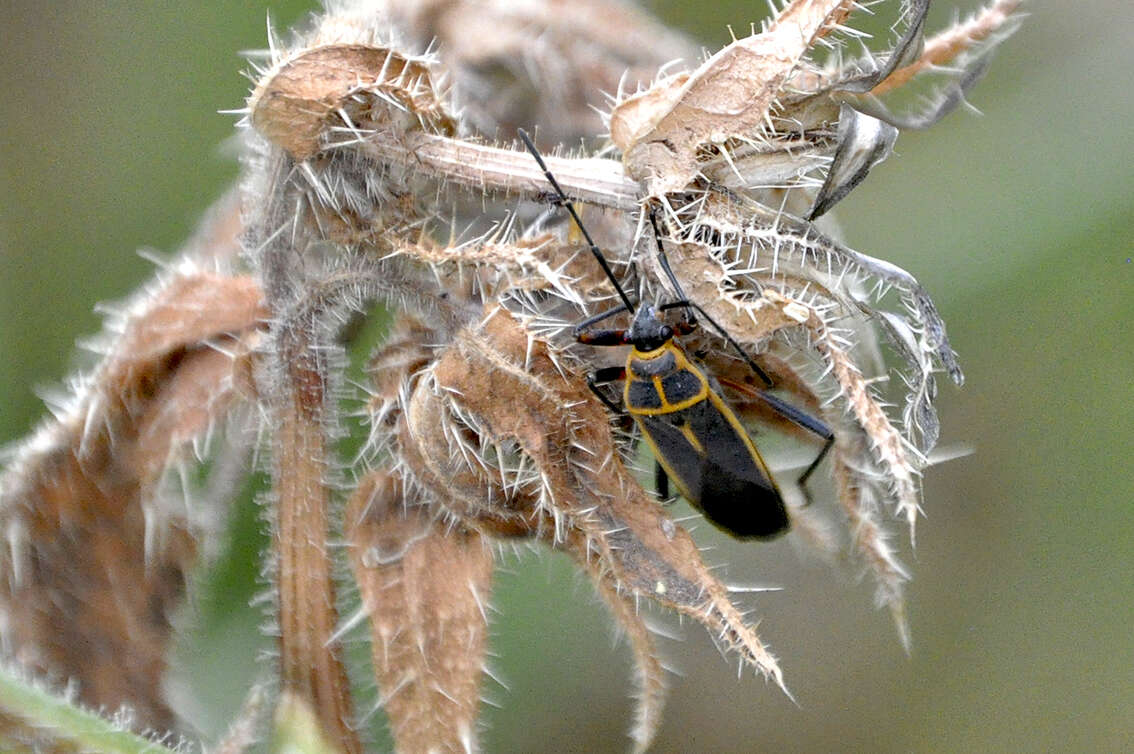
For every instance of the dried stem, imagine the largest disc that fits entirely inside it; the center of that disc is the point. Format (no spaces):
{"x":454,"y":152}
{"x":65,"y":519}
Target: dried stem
{"x":494,"y":169}
{"x":309,"y":655}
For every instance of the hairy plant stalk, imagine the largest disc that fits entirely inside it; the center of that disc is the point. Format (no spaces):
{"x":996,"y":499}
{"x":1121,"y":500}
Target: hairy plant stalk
{"x":300,"y":385}
{"x":485,"y":168}
{"x":310,"y":665}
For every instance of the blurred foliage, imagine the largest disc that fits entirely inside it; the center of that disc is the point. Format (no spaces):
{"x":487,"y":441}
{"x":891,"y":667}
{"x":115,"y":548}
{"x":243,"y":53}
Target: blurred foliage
{"x":1020,"y":222}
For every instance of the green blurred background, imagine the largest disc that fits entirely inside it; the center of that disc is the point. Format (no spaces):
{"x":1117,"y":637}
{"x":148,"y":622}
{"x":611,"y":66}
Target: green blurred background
{"x":1019,"y":221}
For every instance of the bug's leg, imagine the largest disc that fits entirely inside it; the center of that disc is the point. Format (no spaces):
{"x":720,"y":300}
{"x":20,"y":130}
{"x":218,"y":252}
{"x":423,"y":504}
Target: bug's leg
{"x":661,"y":485}
{"x":814,"y":464}
{"x":808,"y":422}
{"x":581,"y":328}
{"x":602,"y":338}
{"x":602,"y":377}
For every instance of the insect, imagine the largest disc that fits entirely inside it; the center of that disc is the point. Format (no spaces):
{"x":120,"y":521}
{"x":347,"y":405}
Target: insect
{"x":697,"y":440}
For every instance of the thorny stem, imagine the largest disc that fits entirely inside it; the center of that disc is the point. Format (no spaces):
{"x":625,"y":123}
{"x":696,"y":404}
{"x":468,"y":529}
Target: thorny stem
{"x":948,"y":45}
{"x":889,"y":447}
{"x":486,"y":168}
{"x":309,"y":658}
{"x":296,"y":392}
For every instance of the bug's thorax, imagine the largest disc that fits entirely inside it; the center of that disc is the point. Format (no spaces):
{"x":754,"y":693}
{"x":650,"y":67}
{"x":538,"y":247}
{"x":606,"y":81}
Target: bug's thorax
{"x":662,"y":381}
{"x":659,"y":362}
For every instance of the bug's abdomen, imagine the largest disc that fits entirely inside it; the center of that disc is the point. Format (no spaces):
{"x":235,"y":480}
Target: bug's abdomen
{"x":701,"y":445}
{"x":717,"y":469}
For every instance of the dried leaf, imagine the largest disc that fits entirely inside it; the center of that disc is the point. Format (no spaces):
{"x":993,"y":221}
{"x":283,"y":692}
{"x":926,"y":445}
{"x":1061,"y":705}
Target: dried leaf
{"x":661,"y":131}
{"x":354,"y":86}
{"x":94,"y":559}
{"x":425,"y":584}
{"x":855,"y":494}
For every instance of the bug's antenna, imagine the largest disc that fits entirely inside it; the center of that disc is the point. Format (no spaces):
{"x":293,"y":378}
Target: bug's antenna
{"x":575,"y":216}
{"x":688,"y":306}
{"x":664,"y":260}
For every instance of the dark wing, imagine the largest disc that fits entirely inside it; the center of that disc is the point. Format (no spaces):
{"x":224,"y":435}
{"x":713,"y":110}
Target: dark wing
{"x":706,"y":453}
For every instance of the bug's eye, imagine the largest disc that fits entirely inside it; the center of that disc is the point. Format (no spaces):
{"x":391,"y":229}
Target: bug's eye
{"x":666,"y":332}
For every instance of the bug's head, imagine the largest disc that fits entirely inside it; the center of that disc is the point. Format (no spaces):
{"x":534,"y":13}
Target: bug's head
{"x":647,"y":331}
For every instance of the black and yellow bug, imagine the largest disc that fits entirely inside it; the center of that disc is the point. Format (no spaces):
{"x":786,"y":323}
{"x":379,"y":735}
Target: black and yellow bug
{"x":697,"y":439}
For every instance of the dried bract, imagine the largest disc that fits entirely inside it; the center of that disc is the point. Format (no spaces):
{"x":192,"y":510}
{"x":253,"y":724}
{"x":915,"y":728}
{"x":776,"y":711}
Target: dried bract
{"x":427,"y":632}
{"x":296,"y":104}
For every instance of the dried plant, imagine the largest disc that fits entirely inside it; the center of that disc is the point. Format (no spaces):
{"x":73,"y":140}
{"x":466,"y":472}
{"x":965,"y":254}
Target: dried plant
{"x":378,"y":171}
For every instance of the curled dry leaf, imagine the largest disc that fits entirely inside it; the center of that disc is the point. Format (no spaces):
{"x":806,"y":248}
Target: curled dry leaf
{"x":297,"y":103}
{"x":661,"y":131}
{"x":425,"y":585}
{"x":95,"y":556}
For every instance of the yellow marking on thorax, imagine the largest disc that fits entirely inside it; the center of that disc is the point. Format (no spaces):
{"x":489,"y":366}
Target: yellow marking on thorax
{"x":681,"y":363}
{"x":657,"y":353}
